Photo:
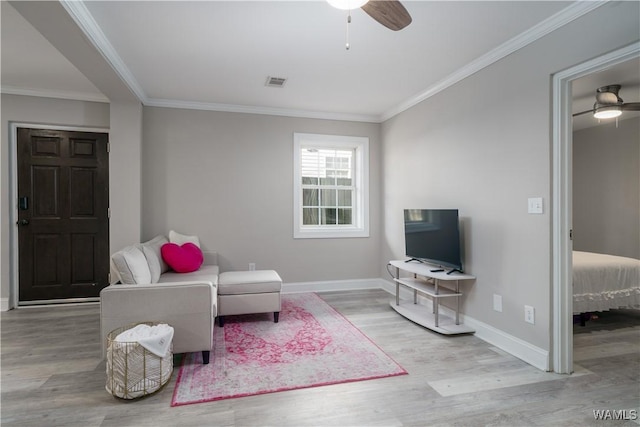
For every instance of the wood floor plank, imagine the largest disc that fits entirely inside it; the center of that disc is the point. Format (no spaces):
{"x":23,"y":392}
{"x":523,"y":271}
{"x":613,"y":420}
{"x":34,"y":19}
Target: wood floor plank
{"x":53,"y":374}
{"x":493,"y":380}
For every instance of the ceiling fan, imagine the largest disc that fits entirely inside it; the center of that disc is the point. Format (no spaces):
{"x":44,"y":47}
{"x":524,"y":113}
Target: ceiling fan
{"x":390,"y":13}
{"x":608,"y":104}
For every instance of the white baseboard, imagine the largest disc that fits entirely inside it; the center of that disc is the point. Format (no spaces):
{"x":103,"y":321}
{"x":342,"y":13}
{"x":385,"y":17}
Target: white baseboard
{"x":521,"y":349}
{"x":4,"y":304}
{"x":332,"y":285}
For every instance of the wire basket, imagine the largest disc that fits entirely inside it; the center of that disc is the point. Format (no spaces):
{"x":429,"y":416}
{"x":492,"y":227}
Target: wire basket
{"x":132,"y":370}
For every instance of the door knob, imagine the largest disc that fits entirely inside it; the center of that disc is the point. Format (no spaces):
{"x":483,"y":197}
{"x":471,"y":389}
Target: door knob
{"x":23,"y":222}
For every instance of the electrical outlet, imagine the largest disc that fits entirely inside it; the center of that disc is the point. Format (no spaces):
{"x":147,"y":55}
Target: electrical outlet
{"x":252,"y":266}
{"x":497,"y":302}
{"x":529,"y":314}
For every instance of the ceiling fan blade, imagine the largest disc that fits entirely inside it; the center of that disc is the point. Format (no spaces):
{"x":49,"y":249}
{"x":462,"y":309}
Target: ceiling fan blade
{"x":583,"y":112}
{"x":390,"y":13}
{"x":631,"y":106}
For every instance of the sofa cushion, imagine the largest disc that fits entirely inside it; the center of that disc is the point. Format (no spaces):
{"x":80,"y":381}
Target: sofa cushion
{"x":249,"y":282}
{"x":131,"y":265}
{"x":181,"y":239}
{"x":182,"y":259}
{"x":208,"y":273}
{"x":151,"y":250}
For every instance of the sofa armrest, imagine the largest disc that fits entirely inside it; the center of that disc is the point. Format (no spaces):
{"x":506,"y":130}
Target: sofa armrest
{"x":189,"y":307}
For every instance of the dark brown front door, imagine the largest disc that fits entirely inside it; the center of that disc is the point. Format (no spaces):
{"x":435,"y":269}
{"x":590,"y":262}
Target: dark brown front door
{"x":63,"y":220}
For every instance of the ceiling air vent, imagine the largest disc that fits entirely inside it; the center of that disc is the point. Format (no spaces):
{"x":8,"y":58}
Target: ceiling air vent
{"x":275,"y":81}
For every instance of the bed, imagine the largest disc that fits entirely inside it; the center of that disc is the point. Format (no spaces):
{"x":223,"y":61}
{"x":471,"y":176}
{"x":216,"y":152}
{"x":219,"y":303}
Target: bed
{"x":603,"y":282}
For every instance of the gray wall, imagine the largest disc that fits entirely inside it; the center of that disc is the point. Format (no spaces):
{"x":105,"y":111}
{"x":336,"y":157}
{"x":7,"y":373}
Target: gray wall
{"x":606,"y":188}
{"x":228,"y":178}
{"x":125,"y":185}
{"x":483,"y":146}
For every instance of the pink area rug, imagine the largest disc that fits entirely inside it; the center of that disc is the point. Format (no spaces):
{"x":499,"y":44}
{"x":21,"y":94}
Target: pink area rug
{"x":312,"y":345}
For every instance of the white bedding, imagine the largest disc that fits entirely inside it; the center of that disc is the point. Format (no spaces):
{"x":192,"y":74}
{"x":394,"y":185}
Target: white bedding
{"x":602,"y":282}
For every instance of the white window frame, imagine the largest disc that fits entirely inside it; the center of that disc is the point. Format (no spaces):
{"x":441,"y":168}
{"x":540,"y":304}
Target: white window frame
{"x":360,"y":145}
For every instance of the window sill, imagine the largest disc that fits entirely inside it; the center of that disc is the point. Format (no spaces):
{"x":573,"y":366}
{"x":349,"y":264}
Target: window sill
{"x":320,"y":233}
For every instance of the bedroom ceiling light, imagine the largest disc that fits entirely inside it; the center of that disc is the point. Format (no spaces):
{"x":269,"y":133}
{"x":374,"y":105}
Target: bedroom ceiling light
{"x":608,"y":103}
{"x":606,"y":111}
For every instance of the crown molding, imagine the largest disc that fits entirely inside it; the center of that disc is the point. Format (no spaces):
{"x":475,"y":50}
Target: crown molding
{"x":46,"y":93}
{"x":565,"y":16}
{"x":270,"y":111}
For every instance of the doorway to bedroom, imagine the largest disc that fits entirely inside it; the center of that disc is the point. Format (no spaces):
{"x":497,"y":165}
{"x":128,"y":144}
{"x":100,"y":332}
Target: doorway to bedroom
{"x":606,"y":218}
{"x":587,"y":200}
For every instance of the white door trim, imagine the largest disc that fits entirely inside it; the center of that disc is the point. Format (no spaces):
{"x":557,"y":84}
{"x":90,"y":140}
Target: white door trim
{"x":562,"y":333}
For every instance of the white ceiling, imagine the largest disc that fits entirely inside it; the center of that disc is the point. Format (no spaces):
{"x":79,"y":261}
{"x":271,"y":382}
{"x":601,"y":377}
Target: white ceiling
{"x":218,"y":54}
{"x":31,"y":65}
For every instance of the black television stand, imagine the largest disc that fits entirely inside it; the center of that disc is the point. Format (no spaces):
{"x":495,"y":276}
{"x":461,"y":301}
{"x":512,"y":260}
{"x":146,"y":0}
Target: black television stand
{"x":415,"y":259}
{"x":454,"y":270}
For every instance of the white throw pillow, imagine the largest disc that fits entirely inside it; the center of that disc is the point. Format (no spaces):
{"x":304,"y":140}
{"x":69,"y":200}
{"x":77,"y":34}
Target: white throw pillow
{"x":181,"y":239}
{"x":132,"y":266}
{"x":153,"y":262}
{"x":151,"y":250}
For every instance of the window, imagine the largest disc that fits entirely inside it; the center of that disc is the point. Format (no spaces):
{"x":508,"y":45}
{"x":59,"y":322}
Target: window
{"x":331,"y":186}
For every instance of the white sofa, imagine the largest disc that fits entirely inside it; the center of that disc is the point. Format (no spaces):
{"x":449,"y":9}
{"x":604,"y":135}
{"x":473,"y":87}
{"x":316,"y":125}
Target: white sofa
{"x":150,"y":292}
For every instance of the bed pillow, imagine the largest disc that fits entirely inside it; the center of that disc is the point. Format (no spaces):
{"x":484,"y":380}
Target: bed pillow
{"x":180,"y":239}
{"x":182,"y":258}
{"x":131,"y":265}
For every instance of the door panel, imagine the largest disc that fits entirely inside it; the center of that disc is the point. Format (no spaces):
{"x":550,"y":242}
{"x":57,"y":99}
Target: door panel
{"x":45,"y":194}
{"x":82,"y":182}
{"x":82,"y":258}
{"x":46,"y":260}
{"x":63,"y":232}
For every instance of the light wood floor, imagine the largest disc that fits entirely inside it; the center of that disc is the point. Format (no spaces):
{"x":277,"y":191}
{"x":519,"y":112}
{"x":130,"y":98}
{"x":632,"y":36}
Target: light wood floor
{"x":53,"y":375}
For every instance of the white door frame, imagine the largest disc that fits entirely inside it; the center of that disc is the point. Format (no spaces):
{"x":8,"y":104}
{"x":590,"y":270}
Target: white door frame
{"x":562,"y":334}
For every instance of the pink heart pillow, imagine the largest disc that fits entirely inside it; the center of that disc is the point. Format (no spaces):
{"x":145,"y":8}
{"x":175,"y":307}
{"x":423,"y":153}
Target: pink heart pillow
{"x":182,"y":259}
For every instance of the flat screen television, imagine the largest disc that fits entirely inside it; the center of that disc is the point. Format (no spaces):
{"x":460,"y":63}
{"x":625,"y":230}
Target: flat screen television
{"x":433,"y":236}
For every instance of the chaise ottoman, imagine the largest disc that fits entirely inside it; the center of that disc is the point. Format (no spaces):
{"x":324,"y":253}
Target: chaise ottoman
{"x":248,"y":292}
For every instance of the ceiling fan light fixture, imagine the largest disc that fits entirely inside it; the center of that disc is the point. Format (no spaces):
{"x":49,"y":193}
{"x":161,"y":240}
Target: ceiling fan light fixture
{"x":606,"y":111}
{"x":347,"y":4}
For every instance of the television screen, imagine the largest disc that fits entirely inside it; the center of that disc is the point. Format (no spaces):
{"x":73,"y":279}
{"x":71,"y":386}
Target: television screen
{"x":433,"y":235}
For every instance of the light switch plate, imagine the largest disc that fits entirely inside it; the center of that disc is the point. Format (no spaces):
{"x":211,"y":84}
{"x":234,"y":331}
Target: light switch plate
{"x":535,"y":205}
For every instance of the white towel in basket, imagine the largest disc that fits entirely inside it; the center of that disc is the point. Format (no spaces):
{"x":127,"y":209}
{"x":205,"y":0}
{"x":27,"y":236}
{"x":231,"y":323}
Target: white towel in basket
{"x":156,"y":339}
